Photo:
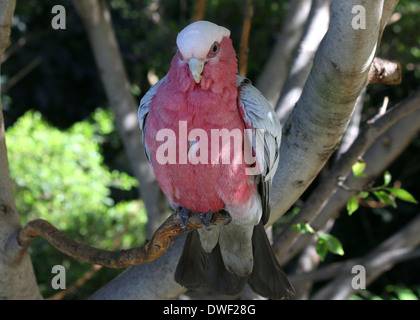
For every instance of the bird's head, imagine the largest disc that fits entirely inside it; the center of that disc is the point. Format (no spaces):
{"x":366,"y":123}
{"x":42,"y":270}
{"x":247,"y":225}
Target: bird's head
{"x":206,"y":50}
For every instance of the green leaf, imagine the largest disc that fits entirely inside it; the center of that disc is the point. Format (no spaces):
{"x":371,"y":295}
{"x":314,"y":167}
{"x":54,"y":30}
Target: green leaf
{"x":406,"y":294}
{"x":321,"y":249}
{"x":302,"y":227}
{"x":385,"y":197}
{"x":352,"y":205}
{"x":333,"y":244}
{"x":363,"y":195}
{"x":387,"y":178}
{"x":358,"y":169}
{"x":295,"y":210}
{"x":402,"y":194}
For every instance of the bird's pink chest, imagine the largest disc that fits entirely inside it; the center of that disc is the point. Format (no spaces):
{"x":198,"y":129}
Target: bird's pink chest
{"x":196,"y":143}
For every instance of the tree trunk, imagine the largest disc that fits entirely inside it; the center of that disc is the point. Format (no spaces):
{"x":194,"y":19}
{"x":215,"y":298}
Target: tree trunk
{"x":315,"y":128}
{"x":97,"y":21}
{"x":274,"y":73}
{"x":17,"y":278}
{"x":315,"y":28}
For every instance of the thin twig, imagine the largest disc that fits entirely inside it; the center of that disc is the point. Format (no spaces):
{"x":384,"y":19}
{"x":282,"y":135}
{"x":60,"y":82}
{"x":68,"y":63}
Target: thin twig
{"x":384,"y":106}
{"x":13,"y":49}
{"x":244,"y":49}
{"x":21,"y":74}
{"x":199,"y":10}
{"x":150,"y":251}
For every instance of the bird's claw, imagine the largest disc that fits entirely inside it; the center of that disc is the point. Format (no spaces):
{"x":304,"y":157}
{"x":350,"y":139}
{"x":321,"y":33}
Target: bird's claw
{"x":184,"y":215}
{"x":205,"y":219}
{"x":228,"y":217}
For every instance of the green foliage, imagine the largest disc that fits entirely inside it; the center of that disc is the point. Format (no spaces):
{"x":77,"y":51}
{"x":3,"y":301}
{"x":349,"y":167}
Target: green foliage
{"x":391,"y":292}
{"x":383,"y":193}
{"x":401,"y":292}
{"x":60,"y":176}
{"x":303,"y":227}
{"x":352,"y":205}
{"x":146,"y":31}
{"x":358,"y":169}
{"x":402,"y":194}
{"x":326,"y":242}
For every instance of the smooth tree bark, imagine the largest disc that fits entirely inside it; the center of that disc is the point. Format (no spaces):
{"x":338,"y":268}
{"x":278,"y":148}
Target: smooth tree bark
{"x":378,"y":158}
{"x":316,"y":125}
{"x":149,"y":281}
{"x":274,"y":72}
{"x":315,"y":28}
{"x":17,"y":278}
{"x":372,"y":131}
{"x":381,"y":71}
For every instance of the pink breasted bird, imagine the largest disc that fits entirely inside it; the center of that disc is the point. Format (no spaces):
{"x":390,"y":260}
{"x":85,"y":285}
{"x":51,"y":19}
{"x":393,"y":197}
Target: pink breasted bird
{"x":202,"y":95}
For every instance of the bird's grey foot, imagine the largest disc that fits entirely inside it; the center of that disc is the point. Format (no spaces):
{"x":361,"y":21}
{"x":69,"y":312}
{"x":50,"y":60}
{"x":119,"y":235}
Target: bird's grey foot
{"x":184,"y":215}
{"x":205,"y":219}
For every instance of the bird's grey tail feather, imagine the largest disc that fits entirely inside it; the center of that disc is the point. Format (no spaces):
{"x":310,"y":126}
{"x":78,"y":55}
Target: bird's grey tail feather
{"x":192,"y":266}
{"x":219,"y":279}
{"x":197,"y":268}
{"x":267,"y":278}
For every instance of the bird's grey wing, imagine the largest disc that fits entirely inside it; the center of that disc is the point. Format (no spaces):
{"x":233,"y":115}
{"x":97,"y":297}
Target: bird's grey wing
{"x":143,"y":111}
{"x":265,"y":134}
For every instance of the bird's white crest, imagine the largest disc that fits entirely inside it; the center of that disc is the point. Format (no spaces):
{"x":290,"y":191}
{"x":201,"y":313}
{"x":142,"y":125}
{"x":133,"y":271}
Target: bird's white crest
{"x":196,"y":39}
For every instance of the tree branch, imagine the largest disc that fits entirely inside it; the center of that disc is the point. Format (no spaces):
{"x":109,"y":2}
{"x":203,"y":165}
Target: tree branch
{"x":341,"y":168}
{"x":274,"y":73}
{"x":96,"y":18}
{"x":338,"y":75}
{"x":21,"y":74}
{"x":333,"y":270}
{"x":314,"y":129}
{"x":150,"y":251}
{"x":7,"y":8}
{"x":387,"y":10}
{"x":381,"y":259}
{"x":199,"y":10}
{"x":385,"y":72}
{"x":353,"y":128}
{"x":13,"y":49}
{"x":377,"y":158}
{"x":95,"y":268}
{"x":315,"y":29}
{"x":243,"y":48}
{"x":17,"y":280}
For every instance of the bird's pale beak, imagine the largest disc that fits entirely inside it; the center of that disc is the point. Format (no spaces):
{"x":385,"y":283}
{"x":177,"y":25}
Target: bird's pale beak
{"x":196,"y":68}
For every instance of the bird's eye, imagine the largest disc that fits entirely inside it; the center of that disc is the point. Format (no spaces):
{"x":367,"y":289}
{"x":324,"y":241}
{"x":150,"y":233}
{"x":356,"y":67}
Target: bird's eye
{"x":213,"y":50}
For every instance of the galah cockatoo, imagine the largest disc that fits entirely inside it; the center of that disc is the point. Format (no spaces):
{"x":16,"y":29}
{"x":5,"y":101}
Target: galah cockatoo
{"x":184,"y":116}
